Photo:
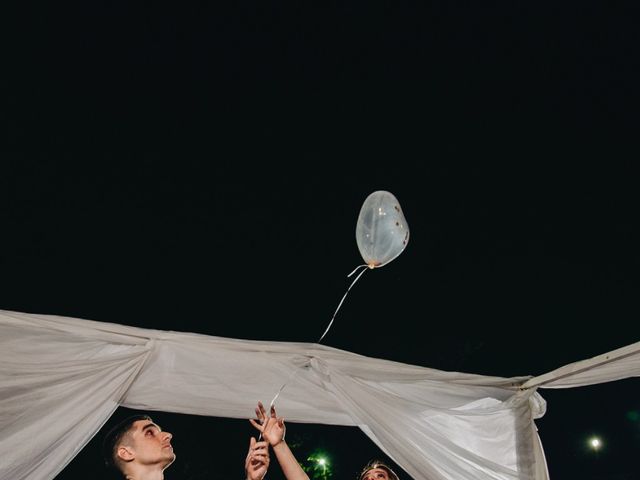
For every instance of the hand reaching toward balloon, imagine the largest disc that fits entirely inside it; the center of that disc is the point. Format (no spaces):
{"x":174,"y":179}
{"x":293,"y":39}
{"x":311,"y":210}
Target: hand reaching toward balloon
{"x":272,"y":428}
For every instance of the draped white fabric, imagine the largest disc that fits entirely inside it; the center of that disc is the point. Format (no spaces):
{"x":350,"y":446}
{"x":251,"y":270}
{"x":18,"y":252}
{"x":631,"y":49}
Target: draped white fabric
{"x":62,"y":378}
{"x":614,"y":365}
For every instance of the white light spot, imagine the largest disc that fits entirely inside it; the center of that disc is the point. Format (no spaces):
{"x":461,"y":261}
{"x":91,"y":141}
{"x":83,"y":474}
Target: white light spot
{"x":595,"y":443}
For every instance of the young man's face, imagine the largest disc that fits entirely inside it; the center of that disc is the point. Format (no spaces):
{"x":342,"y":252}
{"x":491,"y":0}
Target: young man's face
{"x":151,"y":445}
{"x":376,"y":474}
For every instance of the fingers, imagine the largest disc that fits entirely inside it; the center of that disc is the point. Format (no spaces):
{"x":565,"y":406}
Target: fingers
{"x":260,"y":411}
{"x":261,"y":417}
{"x":261,"y":414}
{"x":257,"y":425}
{"x":258,"y":447}
{"x":264,"y":423}
{"x":259,"y":457}
{"x":252,"y":443}
{"x":259,"y":452}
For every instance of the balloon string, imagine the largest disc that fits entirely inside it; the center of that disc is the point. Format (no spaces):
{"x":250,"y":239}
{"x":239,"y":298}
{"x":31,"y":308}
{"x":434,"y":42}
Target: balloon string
{"x":364,"y":269}
{"x":293,"y":374}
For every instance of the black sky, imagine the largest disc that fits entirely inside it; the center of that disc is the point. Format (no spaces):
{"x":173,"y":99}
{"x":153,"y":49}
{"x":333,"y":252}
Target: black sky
{"x":200,"y":167}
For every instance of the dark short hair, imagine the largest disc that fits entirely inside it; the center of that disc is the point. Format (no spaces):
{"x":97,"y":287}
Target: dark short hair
{"x":114,"y":435}
{"x":378,"y":464}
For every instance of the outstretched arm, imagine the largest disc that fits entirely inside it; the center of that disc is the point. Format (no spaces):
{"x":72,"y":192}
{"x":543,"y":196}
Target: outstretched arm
{"x":257,"y":461}
{"x":273,"y":430}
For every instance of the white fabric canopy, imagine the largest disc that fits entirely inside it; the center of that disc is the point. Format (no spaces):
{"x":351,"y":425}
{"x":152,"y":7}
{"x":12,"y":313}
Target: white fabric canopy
{"x":62,"y":378}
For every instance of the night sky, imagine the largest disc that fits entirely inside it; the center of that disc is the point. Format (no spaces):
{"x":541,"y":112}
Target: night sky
{"x":200,"y":167}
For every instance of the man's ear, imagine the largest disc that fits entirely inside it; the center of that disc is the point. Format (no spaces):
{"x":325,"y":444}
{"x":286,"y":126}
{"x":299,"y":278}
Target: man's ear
{"x":125,"y":453}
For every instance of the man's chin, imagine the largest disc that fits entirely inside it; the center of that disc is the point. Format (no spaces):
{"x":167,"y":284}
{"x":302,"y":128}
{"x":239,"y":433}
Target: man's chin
{"x":170,"y":460}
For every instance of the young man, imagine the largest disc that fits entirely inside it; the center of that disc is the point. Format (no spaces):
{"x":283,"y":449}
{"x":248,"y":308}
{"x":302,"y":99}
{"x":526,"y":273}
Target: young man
{"x":138,"y":449}
{"x":273,"y":431}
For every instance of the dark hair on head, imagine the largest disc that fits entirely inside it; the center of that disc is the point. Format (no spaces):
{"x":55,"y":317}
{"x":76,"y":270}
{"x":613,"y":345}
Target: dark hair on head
{"x":378,"y":464}
{"x":113,"y":437}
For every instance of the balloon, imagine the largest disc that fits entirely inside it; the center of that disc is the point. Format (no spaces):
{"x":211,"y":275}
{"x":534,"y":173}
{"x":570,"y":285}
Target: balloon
{"x":382,"y":232}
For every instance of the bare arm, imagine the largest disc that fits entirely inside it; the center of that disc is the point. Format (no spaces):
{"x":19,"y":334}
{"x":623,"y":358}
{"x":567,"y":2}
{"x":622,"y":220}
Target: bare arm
{"x":273,"y":430}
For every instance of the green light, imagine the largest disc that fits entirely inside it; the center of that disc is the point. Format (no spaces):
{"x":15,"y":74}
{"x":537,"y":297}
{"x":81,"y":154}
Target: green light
{"x":319,"y":467}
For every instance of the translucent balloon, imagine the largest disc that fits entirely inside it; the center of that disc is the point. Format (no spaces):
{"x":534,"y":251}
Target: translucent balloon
{"x":382,"y":232}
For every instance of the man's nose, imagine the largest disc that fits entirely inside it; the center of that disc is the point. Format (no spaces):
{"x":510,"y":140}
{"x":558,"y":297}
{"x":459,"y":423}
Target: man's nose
{"x":168,"y":435}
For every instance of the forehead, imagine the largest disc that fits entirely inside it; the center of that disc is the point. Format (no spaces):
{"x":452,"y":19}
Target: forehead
{"x":375,"y":471}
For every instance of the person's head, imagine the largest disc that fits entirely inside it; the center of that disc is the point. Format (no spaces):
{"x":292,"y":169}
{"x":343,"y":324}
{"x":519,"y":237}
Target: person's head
{"x":377,"y":470}
{"x":137,"y":442}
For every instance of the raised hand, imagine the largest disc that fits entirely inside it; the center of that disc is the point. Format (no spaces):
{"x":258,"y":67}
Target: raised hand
{"x":272,"y":428}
